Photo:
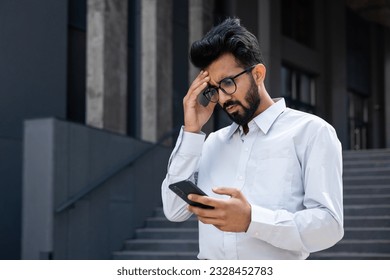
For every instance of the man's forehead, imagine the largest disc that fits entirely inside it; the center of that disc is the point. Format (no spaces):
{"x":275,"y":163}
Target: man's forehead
{"x":225,"y":66}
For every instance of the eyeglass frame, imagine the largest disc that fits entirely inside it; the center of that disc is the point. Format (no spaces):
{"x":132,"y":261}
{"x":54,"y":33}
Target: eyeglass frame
{"x":217,"y":88}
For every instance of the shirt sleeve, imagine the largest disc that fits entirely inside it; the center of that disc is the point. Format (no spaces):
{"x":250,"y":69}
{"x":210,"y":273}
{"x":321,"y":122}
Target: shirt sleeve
{"x":182,"y":165}
{"x":320,"y":224}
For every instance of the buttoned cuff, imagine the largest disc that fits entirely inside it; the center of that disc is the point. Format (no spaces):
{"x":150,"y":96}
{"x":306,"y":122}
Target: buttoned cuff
{"x":262,"y":223}
{"x":192,"y":143}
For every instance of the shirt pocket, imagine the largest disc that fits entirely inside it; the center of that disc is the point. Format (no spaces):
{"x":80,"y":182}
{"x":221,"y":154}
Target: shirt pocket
{"x":272,"y":181}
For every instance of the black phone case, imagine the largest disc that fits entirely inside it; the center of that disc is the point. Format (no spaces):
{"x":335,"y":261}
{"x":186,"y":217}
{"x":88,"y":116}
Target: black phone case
{"x":184,"y":188}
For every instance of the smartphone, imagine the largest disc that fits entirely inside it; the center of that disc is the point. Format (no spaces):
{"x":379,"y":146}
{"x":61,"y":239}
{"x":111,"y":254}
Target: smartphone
{"x":203,"y":100}
{"x":184,"y":188}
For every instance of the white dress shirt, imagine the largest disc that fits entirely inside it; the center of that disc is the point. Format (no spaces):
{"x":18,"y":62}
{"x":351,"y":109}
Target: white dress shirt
{"x":289,"y":168}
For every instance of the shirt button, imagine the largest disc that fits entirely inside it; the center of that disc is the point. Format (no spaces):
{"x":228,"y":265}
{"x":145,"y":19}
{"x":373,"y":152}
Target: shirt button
{"x":240,"y":178}
{"x":246,"y":150}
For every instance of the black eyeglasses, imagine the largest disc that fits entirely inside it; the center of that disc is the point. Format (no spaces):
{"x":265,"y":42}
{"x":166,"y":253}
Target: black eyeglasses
{"x":227,"y":85}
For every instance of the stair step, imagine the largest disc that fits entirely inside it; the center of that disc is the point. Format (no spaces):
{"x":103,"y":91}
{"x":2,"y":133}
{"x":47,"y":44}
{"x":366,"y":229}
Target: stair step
{"x":366,"y":180}
{"x":379,"y":154}
{"x":367,"y":163}
{"x":367,"y":221}
{"x":167,"y":233}
{"x":367,"y":189}
{"x":369,"y":209}
{"x":147,"y":255}
{"x":367,"y":171}
{"x":158,"y":245}
{"x":354,"y":199}
{"x":350,"y":255}
{"x":159,"y":212}
{"x":366,"y":233}
{"x":361,"y":246}
{"x":162,"y":222}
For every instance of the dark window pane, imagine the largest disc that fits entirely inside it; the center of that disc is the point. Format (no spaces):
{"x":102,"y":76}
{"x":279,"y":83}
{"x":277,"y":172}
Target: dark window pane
{"x":298,"y":88}
{"x":298,"y":21}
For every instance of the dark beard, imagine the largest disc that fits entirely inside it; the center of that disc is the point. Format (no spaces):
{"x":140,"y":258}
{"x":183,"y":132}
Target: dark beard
{"x":252,"y":98}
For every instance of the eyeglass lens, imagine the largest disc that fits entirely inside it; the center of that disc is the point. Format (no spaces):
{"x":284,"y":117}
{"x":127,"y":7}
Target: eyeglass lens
{"x":227,"y":85}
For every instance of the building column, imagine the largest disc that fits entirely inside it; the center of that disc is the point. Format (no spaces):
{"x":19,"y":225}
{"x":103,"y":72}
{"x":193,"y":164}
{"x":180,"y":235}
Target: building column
{"x":337,"y":69}
{"x":269,"y":37}
{"x":107,"y":65}
{"x":387,"y":86}
{"x":200,"y":20}
{"x":156,"y":69}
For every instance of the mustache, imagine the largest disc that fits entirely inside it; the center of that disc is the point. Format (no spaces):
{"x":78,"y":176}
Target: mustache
{"x":230,"y":103}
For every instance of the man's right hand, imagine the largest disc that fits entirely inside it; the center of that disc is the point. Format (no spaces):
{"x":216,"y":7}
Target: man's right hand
{"x":195,"y":114}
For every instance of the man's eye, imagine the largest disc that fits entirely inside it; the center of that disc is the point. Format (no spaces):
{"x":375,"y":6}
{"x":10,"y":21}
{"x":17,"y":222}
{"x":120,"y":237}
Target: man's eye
{"x":226,"y":83}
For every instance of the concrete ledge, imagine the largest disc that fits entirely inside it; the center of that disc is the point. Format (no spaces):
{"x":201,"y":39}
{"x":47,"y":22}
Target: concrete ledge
{"x":60,"y":160}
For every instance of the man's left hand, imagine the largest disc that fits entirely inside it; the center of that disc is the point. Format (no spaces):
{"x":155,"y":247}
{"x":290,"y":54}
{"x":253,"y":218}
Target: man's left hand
{"x":233,"y":215}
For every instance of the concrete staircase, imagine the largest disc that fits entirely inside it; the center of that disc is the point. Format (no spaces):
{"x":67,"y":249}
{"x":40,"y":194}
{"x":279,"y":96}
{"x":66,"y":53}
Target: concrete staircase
{"x":366,"y":210}
{"x":161,"y":239}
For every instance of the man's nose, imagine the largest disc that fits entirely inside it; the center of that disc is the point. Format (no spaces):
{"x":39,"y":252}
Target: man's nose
{"x":223,"y":97}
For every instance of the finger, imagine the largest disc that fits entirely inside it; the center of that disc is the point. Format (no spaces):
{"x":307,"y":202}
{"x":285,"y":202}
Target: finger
{"x":201,"y":212}
{"x":199,"y":88}
{"x":211,"y":221}
{"x":196,"y":88}
{"x":201,"y":74}
{"x":203,"y":199}
{"x":233,"y":192}
{"x":200,"y":79}
{"x":194,"y":92}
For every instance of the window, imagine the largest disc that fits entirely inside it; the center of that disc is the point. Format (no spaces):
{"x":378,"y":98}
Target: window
{"x":298,"y":89}
{"x":298,"y":21}
{"x":358,"y":121}
{"x":358,"y":79}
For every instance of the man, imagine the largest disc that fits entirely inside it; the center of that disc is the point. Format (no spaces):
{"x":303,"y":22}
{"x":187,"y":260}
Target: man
{"x":273,"y":177}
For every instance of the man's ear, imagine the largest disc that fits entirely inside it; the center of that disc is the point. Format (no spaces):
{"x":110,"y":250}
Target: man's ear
{"x":259,"y":73}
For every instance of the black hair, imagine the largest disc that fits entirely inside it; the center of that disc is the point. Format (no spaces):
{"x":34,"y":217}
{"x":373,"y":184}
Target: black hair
{"x":227,"y":37}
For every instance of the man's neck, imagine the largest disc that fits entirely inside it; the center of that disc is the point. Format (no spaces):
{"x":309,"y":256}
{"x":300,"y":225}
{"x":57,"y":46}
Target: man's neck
{"x":245,"y":128}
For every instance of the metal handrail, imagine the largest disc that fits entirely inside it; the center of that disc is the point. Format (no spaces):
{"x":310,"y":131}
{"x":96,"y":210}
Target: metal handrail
{"x":99,"y":182}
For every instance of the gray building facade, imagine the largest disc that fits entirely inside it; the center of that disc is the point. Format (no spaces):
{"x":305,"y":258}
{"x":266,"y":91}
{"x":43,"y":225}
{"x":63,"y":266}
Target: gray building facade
{"x":122,"y":67}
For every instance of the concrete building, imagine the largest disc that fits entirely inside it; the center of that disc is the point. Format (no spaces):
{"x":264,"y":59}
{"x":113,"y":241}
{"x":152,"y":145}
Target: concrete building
{"x":116,"y":69}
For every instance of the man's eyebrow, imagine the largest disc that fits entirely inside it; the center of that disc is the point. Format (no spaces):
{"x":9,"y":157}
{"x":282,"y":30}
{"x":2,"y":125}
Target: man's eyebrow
{"x":210,"y":83}
{"x":227,"y":77}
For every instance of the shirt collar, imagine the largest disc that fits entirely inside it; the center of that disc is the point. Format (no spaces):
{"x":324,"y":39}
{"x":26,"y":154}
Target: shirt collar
{"x":266,"y":119}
